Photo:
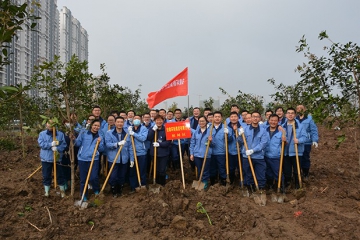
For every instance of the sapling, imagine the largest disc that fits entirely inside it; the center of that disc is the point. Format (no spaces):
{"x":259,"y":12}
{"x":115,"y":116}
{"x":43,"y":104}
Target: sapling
{"x":200,"y":208}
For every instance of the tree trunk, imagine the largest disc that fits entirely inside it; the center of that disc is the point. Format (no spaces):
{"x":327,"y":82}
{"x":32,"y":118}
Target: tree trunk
{"x":72,"y":160}
{"x":22,"y":131}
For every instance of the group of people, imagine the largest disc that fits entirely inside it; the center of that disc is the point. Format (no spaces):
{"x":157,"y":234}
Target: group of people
{"x":126,"y":137}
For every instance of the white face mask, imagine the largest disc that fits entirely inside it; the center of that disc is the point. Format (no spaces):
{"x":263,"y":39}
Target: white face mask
{"x":67,"y":125}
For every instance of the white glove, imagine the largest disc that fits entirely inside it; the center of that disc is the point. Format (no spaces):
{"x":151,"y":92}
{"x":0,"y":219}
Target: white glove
{"x":54,"y":149}
{"x":122,"y":142}
{"x":155,"y":127}
{"x":131,"y":133}
{"x":54,"y":143}
{"x":241,"y":131}
{"x":130,"y":129}
{"x":156,"y":144}
{"x":261,"y":122}
{"x":315,"y":144}
{"x":131,"y":163}
{"x":87,"y":126}
{"x":208,"y":125}
{"x":249,"y":152}
{"x":226,"y":130}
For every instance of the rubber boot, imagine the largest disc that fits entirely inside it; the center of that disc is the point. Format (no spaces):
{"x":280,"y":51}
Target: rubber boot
{"x":287,"y":185}
{"x":157,"y":179}
{"x":206,"y":185}
{"x":62,"y":191}
{"x":163,"y":180}
{"x":47,"y":189}
{"x":212,"y":180}
{"x":113,"y":191}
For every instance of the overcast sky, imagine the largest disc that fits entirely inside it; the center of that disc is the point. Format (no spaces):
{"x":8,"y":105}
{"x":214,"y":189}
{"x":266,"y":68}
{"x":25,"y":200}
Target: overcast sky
{"x":233,"y":44}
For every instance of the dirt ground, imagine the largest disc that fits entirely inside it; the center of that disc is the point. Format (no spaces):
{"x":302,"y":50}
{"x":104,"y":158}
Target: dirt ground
{"x":329,"y":210}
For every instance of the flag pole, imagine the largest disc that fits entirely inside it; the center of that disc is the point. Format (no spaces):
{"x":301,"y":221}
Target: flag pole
{"x":188,"y":107}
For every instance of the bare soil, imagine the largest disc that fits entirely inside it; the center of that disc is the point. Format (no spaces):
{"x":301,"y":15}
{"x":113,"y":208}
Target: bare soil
{"x":329,"y":210}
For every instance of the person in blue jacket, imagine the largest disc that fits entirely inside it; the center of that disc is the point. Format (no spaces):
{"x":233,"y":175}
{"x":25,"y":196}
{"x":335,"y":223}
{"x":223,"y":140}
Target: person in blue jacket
{"x":47,"y":148}
{"x":277,"y":135}
{"x":174,"y":148}
{"x":114,"y":139}
{"x":139,"y":133}
{"x":312,"y":139}
{"x":163,"y":148}
{"x":218,"y":156}
{"x":257,"y":139}
{"x":280,"y":112}
{"x":148,"y":124}
{"x":289,"y":165}
{"x":129,"y":119}
{"x":198,"y":144}
{"x":86,"y":143}
{"x":234,"y":125}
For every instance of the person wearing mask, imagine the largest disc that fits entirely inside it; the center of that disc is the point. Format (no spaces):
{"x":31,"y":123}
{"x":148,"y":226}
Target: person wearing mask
{"x":114,"y":139}
{"x":86,"y":143}
{"x":139,"y":133}
{"x":198,"y":144}
{"x":47,"y":148}
{"x":163,"y":148}
{"x":256,"y":139}
{"x":312,"y":138}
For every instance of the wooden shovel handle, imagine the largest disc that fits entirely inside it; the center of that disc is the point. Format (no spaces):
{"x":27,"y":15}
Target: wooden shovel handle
{"x":250,"y":162}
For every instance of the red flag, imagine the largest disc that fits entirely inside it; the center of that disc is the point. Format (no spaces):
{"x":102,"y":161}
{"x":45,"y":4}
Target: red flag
{"x":178,"y":86}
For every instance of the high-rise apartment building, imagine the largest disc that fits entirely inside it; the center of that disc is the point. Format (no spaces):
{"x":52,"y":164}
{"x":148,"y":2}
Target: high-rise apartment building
{"x":32,"y":47}
{"x":73,"y":37}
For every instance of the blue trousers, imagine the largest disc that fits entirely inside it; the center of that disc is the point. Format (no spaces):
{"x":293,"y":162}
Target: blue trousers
{"x":161,"y":163}
{"x":94,"y":175}
{"x":199,"y":163}
{"x":117,"y":176}
{"x":259,"y":169}
{"x":47,"y":169}
{"x":218,"y":164}
{"x":290,"y":169}
{"x":272,"y":168}
{"x":142,"y":163}
{"x":305,"y":159}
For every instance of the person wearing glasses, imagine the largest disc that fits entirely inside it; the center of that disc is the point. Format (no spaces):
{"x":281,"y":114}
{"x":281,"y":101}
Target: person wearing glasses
{"x":256,"y":139}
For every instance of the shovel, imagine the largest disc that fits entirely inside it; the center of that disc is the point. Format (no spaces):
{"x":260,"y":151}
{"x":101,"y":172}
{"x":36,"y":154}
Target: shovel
{"x":112,"y":166}
{"x":34,"y":172}
{"x":140,"y":188}
{"x":278,"y":197}
{"x":261,"y":200}
{"x":227,"y":186}
{"x":54,"y":156}
{"x":81,"y":203}
{"x":199,"y":185}
{"x":155,"y":188}
{"x":299,"y":192}
{"x":244,"y":192}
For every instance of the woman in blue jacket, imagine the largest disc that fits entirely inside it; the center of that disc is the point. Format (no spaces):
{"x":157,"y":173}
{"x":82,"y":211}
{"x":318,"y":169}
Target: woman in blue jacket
{"x":163,"y":149}
{"x":198,"y":144}
{"x":86,"y":143}
{"x":47,"y":148}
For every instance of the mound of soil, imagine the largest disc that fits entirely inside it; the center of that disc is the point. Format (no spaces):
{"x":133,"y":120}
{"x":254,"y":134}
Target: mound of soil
{"x":330,"y":208}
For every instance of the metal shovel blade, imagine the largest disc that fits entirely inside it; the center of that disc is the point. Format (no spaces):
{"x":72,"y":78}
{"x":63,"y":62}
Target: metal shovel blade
{"x":263,"y":199}
{"x":274,"y":197}
{"x":257,"y":199}
{"x":299,"y":193}
{"x":198,"y":185}
{"x":81,"y":204}
{"x":141,"y":189}
{"x":244,"y":192}
{"x":155,"y":188}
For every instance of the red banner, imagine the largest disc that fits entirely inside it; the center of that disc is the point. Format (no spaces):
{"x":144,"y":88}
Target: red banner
{"x":177,"y":130}
{"x":178,"y":86}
